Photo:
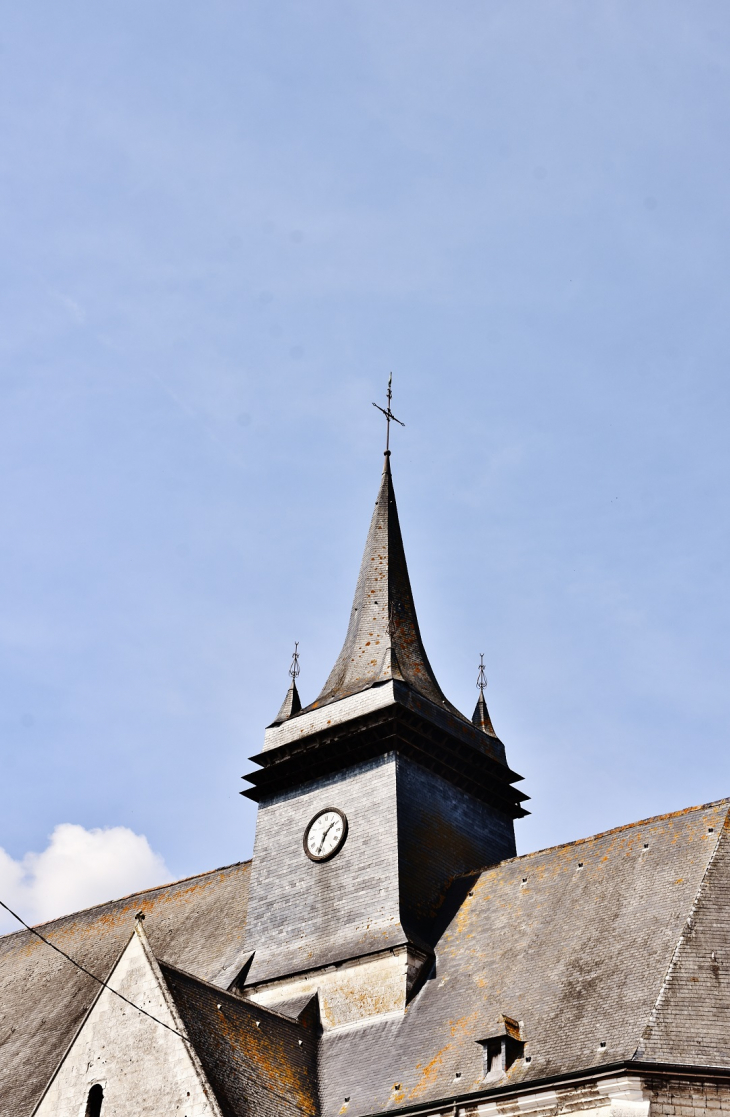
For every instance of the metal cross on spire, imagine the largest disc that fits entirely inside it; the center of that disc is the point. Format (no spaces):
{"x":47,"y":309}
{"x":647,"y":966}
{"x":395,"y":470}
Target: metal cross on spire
{"x":294,"y":668}
{"x":388,"y":414}
{"x":482,"y":676}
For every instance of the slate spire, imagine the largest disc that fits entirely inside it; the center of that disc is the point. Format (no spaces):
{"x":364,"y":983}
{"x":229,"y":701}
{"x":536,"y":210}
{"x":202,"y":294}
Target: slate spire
{"x":292,"y":703}
{"x":481,"y":717}
{"x":383,"y":640}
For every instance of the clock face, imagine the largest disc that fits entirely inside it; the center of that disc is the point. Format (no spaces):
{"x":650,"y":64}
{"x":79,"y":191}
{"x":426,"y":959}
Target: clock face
{"x":325,"y":835}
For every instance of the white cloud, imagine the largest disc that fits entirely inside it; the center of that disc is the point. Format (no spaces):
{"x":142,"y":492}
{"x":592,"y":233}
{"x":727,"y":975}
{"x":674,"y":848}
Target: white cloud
{"x":78,"y":868}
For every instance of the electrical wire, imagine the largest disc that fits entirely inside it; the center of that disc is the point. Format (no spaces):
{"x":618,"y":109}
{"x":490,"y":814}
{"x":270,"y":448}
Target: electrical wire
{"x":93,"y":976}
{"x":144,"y":1012}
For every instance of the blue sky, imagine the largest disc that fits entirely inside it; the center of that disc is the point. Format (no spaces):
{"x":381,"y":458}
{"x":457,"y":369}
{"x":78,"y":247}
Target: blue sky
{"x":222,"y":226}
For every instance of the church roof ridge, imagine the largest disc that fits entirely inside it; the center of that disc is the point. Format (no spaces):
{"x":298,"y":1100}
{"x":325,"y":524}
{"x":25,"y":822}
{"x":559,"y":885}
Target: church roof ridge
{"x":125,"y":897}
{"x":219,"y":993}
{"x":614,"y":830}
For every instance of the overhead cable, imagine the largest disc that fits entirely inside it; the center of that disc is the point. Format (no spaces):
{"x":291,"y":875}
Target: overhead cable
{"x":93,"y":976}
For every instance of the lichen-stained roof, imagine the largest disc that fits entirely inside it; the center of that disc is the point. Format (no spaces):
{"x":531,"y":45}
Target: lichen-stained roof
{"x":196,"y":924}
{"x":612,"y":948}
{"x":574,"y":942}
{"x":691,"y":1019}
{"x":256,"y":1060}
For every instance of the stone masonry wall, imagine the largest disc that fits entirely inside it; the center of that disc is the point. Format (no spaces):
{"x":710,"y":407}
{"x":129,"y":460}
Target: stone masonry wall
{"x":143,"y":1068}
{"x":620,"y":1096}
{"x":685,"y":1097}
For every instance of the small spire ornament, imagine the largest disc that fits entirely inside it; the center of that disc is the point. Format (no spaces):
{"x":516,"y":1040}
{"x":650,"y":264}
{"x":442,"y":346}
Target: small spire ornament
{"x":482,"y":676}
{"x":294,"y":666}
{"x":481,"y":717}
{"x":292,"y":703}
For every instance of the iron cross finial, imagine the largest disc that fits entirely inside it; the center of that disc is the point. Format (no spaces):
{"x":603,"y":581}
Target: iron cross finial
{"x":482,"y":676}
{"x":294,"y":667}
{"x":388,"y":414}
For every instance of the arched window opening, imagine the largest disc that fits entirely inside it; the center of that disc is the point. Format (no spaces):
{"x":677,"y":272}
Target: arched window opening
{"x":93,"y":1104}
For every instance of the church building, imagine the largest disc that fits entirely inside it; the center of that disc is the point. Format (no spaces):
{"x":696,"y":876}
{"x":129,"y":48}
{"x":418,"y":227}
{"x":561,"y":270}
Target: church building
{"x":386,"y":951}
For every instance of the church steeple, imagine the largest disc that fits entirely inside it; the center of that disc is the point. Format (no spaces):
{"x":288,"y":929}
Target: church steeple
{"x":414,"y":795}
{"x":383,"y":640}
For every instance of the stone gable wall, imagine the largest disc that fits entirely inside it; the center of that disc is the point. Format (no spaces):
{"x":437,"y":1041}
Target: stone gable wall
{"x":196,"y":924}
{"x":143,"y":1068}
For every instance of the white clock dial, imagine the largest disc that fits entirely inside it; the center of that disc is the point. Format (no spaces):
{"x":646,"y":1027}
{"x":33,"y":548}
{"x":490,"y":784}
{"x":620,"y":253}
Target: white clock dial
{"x":325,"y":834}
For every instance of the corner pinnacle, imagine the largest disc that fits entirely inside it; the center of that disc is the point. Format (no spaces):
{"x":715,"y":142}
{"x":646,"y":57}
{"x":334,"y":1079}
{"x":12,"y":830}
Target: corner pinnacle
{"x":292,"y":703}
{"x":481,"y":717}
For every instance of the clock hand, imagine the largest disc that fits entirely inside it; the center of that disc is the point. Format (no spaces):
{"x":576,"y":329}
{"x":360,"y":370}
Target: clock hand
{"x":321,"y":840}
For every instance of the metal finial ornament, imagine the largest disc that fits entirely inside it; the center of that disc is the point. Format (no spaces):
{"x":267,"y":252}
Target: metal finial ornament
{"x":294,"y":666}
{"x":482,"y":676}
{"x":388,"y":414}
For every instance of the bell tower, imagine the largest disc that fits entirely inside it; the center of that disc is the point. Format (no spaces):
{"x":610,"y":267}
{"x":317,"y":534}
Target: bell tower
{"x":375,"y":803}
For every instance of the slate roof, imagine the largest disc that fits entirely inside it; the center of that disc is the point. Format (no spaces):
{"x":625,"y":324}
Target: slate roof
{"x":195,"y":923}
{"x":608,"y":940}
{"x":256,"y":1060}
{"x":691,"y":1019}
{"x":291,"y":705}
{"x":580,"y":956}
{"x":481,"y":717}
{"x":383,"y":639}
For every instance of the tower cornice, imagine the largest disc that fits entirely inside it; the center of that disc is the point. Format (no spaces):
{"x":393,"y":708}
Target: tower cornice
{"x":397,"y":721}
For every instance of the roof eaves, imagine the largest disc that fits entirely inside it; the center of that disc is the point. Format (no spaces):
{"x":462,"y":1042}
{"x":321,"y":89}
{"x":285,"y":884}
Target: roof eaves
{"x":534,"y":1085}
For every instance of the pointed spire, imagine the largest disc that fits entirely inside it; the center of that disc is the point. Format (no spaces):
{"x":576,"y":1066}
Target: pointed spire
{"x":481,"y":717}
{"x":292,"y":703}
{"x":383,"y":640}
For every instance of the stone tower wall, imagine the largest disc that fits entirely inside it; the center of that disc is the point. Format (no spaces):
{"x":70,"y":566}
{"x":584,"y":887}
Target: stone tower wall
{"x":304,"y":914}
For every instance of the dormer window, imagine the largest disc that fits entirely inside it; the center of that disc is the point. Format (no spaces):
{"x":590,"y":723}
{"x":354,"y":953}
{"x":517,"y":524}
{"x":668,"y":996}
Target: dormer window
{"x":502,"y":1049}
{"x":494,"y":1057}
